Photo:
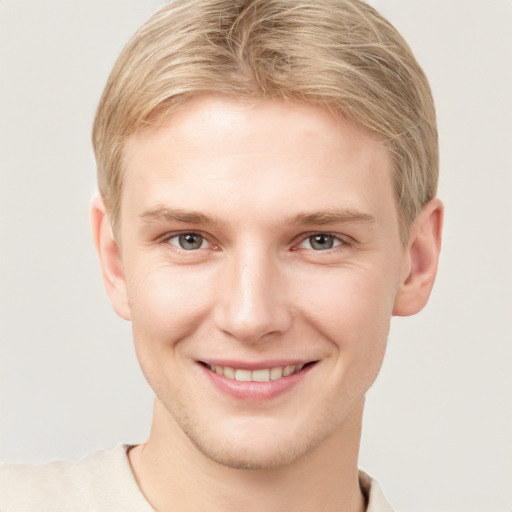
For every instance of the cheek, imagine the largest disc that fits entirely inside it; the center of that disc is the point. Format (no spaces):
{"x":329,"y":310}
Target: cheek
{"x":166,"y":303}
{"x":350,"y":309}
{"x":166,"y":308}
{"x":350,"y":306}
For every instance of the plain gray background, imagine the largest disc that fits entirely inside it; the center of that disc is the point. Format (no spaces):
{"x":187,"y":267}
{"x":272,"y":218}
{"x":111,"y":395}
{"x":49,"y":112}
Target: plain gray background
{"x":439,"y":419}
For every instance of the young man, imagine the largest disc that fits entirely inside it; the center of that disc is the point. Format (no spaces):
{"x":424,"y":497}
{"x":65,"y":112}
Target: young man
{"x":267,"y":174}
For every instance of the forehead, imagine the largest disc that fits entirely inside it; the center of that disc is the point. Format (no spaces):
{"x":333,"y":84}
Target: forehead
{"x":213,"y":122}
{"x":224,"y":153}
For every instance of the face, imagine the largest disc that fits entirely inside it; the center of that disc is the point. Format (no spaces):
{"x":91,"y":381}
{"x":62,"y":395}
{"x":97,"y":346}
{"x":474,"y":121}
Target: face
{"x":261,"y":255}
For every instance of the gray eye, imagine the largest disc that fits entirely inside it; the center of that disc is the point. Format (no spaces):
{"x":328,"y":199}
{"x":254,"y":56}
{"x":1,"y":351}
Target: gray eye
{"x":190,"y":241}
{"x":322,"y":242}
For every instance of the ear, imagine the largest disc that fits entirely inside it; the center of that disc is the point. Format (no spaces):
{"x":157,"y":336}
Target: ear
{"x":421,"y":258}
{"x":110,"y":258}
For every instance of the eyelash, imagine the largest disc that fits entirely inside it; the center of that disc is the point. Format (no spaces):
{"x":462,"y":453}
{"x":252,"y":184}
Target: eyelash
{"x":340,"y":242}
{"x":166,"y":239}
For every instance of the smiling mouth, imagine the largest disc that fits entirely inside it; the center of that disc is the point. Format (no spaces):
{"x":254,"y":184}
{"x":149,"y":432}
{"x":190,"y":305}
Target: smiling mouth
{"x":260,"y":375}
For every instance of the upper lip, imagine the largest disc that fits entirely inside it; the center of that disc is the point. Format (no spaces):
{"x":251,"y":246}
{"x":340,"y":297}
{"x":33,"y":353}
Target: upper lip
{"x":256,"y":365}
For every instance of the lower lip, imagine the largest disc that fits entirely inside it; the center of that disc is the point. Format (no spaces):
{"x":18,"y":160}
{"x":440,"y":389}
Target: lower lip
{"x":255,"y":391}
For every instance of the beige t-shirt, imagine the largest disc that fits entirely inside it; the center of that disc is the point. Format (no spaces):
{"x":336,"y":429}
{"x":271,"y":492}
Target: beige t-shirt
{"x":101,"y":482}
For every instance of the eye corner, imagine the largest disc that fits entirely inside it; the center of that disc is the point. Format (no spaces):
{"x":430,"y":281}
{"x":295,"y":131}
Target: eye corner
{"x":320,"y":241}
{"x":188,"y":242}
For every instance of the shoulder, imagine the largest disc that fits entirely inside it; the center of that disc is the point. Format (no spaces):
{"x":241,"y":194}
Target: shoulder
{"x":373,"y":493}
{"x":101,"y":481}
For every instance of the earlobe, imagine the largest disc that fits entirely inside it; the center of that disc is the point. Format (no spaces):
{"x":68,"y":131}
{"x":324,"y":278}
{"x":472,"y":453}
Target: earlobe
{"x":420,"y":264}
{"x":110,"y":258}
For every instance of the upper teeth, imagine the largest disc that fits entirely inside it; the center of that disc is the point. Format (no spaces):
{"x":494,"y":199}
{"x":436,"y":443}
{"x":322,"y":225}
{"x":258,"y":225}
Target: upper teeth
{"x":263,"y":375}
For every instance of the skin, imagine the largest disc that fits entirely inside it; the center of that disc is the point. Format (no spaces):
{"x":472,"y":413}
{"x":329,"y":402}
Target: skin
{"x":253,"y":183}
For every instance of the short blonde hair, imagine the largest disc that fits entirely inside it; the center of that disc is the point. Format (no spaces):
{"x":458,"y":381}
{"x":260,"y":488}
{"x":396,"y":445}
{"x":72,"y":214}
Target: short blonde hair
{"x":340,"y":54}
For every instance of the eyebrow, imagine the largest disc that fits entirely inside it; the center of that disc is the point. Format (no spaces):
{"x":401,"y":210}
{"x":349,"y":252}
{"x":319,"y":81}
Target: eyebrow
{"x":331,"y":217}
{"x":319,"y":218}
{"x":163,"y":213}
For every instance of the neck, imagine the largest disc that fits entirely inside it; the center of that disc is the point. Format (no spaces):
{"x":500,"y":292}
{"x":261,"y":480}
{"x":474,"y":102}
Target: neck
{"x":175,"y":476}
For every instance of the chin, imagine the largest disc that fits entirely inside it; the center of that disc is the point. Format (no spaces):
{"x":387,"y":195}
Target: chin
{"x":261,"y":457}
{"x":255,"y":448}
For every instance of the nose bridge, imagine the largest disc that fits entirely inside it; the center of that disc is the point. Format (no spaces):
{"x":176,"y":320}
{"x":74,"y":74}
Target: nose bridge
{"x":252,"y":299}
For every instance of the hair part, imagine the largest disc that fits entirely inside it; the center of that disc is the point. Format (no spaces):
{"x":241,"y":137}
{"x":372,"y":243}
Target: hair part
{"x":339,"y":54}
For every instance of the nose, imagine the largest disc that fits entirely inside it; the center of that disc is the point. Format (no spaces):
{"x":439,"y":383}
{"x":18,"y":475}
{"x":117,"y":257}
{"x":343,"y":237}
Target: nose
{"x":252,"y":302}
